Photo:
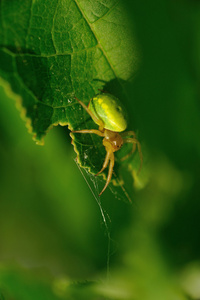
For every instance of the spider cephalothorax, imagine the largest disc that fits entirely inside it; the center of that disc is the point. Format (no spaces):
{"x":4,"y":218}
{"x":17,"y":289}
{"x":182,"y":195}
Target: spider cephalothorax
{"x":107,"y":112}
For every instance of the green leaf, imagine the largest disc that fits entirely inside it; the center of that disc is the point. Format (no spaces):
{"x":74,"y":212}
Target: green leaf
{"x":55,"y":50}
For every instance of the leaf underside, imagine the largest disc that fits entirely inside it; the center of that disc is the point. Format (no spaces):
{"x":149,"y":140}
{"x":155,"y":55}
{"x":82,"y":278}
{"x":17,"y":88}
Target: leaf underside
{"x":54,"y":50}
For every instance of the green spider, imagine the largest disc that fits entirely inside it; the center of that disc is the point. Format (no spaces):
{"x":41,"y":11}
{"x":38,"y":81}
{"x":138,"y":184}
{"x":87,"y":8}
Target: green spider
{"x":107,"y":112}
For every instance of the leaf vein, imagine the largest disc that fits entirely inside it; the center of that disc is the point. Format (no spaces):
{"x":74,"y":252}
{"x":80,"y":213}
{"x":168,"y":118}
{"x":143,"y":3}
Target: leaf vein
{"x":53,"y":25}
{"x":100,"y":46}
{"x":43,"y":55}
{"x":29,"y":25}
{"x":106,"y":13}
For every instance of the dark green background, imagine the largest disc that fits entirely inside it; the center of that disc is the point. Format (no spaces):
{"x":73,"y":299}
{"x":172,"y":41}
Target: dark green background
{"x":52,"y":236}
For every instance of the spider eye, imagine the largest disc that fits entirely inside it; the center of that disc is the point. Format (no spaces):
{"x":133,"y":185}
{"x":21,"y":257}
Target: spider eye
{"x":118,"y":108}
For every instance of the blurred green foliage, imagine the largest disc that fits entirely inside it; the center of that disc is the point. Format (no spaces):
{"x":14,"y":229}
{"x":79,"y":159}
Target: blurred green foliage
{"x":53,"y":241}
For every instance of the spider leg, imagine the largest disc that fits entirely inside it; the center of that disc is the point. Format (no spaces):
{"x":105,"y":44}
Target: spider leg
{"x":110,"y":171}
{"x":109,"y":157}
{"x":97,"y":121}
{"x":131,"y":152}
{"x":106,"y":161}
{"x":95,"y":131}
{"x":134,"y":142}
{"x":105,"y":92}
{"x":128,"y":133}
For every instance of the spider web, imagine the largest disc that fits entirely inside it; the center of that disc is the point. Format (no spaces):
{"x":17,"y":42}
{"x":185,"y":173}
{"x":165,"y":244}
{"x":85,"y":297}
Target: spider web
{"x":95,"y":192}
{"x":94,"y":183}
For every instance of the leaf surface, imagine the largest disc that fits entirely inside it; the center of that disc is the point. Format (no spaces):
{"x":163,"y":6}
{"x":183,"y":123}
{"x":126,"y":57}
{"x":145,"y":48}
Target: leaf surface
{"x":55,"y":50}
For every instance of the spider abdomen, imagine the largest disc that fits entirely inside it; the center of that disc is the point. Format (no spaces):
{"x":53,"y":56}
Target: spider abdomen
{"x":108,"y":109}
